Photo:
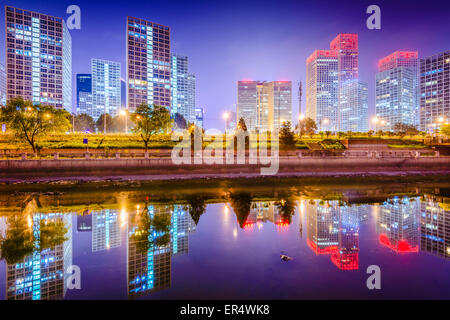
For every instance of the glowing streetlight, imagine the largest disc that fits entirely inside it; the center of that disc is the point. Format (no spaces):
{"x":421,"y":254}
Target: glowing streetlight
{"x":301,"y":117}
{"x":124,"y":113}
{"x":226,"y":116}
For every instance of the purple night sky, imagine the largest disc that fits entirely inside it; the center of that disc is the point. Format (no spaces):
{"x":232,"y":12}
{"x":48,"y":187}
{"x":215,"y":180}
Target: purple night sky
{"x":227,"y":41}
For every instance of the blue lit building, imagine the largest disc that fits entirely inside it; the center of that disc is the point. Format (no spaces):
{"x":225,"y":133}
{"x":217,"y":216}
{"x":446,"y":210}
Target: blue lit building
{"x":354,"y":106}
{"x":183,"y":88}
{"x":84,"y":93}
{"x":199,"y":114}
{"x":435,"y":91}
{"x":2,"y":85}
{"x":397,"y":90}
{"x":148,"y":64}
{"x":38,"y":58}
{"x":106,"y":88}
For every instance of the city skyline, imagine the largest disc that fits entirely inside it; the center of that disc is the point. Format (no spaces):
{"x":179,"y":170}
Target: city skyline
{"x":217,"y":96}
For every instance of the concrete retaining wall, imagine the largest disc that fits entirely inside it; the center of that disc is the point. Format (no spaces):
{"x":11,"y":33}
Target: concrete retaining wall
{"x":112,"y":167}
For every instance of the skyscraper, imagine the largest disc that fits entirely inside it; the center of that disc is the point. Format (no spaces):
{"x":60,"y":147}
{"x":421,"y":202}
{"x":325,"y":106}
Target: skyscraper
{"x":322,"y":89}
{"x":84,"y":93}
{"x":2,"y":85}
{"x":326,"y":73}
{"x":183,"y":88}
{"x":434,"y":91}
{"x":106,"y":93}
{"x":264,"y":106}
{"x":354,"y":106}
{"x":39,"y":58}
{"x":397,"y":88}
{"x":199,"y":115}
{"x":148,"y":63}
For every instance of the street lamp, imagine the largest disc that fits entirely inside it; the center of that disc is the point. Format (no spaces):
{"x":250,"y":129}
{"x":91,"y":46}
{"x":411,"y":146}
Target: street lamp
{"x":225,"y":117}
{"x":124,"y":113}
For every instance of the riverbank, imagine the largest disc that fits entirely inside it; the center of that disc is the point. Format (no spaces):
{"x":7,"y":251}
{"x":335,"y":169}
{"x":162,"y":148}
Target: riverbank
{"x":33,"y":171}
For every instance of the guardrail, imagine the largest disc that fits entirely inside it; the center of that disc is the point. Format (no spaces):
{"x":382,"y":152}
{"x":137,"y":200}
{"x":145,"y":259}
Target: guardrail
{"x":291,"y":154}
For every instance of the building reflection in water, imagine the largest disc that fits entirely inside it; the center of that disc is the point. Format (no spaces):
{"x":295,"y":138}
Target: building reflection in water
{"x":149,"y":270}
{"x":333,"y":229}
{"x":435,"y":227}
{"x":105,"y":230}
{"x":156,"y":232}
{"x":398,"y":224}
{"x":41,"y":275}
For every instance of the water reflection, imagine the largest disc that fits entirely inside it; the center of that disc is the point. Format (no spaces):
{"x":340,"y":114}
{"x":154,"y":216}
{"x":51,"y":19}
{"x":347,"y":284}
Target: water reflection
{"x":37,"y":247}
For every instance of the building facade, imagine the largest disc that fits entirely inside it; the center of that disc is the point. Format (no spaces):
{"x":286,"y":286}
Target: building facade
{"x":397,"y":89}
{"x":199,"y":117}
{"x":38,"y":58}
{"x":264,"y":106}
{"x":322,"y":89}
{"x":183,"y":88}
{"x":84,"y":93}
{"x":106,"y":92}
{"x":434,"y":91}
{"x":2,"y":85}
{"x":148,"y":64}
{"x":354,"y":106}
{"x":327,"y":71}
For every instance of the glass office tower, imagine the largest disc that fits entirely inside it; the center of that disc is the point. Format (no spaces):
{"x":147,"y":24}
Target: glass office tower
{"x":106,"y":95}
{"x":397,"y":88}
{"x":183,"y":88}
{"x":148,"y":63}
{"x":38,"y":58}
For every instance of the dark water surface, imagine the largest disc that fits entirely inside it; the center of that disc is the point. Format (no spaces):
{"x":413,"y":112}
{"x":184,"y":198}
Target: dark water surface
{"x":131,"y":244}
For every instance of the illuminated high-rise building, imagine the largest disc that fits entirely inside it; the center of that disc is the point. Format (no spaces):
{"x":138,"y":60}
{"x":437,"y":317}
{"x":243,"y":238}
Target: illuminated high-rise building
{"x":264,"y":106}
{"x":435,"y":228}
{"x":354,"y":106}
{"x":42,"y":274}
{"x":326,"y":73}
{"x":434,"y":91}
{"x":84,"y":93}
{"x":148,"y":64}
{"x":322,"y":89}
{"x":38,"y":58}
{"x":397,"y":89}
{"x":183,"y":88}
{"x":2,"y":85}
{"x":199,"y":117}
{"x":106,"y":94}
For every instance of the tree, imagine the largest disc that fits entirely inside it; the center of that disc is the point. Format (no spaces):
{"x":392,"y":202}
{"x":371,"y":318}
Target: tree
{"x":180,"y":121}
{"x":150,"y":121}
{"x":307,"y":126}
{"x":445,"y":129}
{"x":196,"y":206}
{"x":30,"y":122}
{"x":403,"y":129}
{"x":287,"y":137}
{"x":100,"y":124}
{"x":84,"y":122}
{"x":241,"y":204}
{"x":241,"y":124}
